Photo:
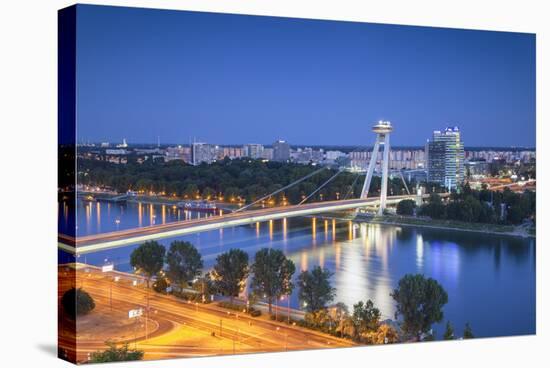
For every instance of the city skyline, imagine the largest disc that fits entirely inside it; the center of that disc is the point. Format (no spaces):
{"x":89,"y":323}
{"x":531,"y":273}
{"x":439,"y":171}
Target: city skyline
{"x":285,"y":77}
{"x":367,"y":145}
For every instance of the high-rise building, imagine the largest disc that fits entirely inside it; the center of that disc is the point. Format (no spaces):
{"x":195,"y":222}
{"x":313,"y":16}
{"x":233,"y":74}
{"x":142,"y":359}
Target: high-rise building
{"x":232,"y":152}
{"x":203,"y":152}
{"x":446,"y":158}
{"x":267,"y":153}
{"x":281,"y":151}
{"x":182,"y":153}
{"x":253,"y":150}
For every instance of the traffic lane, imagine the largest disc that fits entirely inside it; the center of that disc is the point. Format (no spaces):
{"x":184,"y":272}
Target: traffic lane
{"x":147,"y":230}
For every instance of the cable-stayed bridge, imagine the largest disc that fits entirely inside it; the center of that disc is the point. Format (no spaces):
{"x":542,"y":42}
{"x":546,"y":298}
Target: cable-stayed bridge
{"x":91,"y":243}
{"x":247,"y":214}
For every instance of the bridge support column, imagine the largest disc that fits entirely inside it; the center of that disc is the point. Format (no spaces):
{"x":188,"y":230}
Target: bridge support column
{"x":382,"y":130}
{"x":370,"y":170}
{"x":385,"y":166}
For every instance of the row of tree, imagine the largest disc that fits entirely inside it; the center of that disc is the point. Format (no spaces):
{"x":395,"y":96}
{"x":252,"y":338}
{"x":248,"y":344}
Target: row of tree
{"x":449,"y":333}
{"x":271,"y":271}
{"x":239,"y":179}
{"x":419,"y":300}
{"x":482,"y":206}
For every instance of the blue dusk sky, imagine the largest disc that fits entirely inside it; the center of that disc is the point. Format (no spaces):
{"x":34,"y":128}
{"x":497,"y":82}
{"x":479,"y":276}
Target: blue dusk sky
{"x":232,"y":79}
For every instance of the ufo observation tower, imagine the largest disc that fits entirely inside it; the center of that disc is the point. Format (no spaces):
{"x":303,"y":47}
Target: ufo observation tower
{"x":382,"y":130}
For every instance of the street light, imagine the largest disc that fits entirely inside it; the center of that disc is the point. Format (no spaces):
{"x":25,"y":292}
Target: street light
{"x":109,"y":268}
{"x":288,"y":306}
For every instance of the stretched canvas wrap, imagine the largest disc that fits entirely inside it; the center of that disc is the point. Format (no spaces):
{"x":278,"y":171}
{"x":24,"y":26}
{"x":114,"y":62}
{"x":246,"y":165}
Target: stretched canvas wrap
{"x":234,"y":184}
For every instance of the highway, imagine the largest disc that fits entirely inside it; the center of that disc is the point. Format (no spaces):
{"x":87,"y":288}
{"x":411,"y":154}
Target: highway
{"x":175,"y":328}
{"x":91,"y":243}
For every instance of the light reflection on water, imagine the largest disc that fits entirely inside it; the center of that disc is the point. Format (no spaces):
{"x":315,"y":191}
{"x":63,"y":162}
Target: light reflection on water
{"x":488,"y":277}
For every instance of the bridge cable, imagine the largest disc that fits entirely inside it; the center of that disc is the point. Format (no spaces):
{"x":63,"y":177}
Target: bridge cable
{"x":357,"y":175}
{"x":321,"y":186}
{"x":280,"y":190}
{"x":404,"y":183}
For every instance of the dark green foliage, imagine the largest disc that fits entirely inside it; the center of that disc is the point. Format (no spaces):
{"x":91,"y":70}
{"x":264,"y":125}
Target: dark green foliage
{"x":406,"y":207}
{"x":244,"y":178}
{"x":160,"y":285}
{"x":230,"y":272}
{"x":184,"y":263}
{"x":468,"y":333}
{"x":482,"y":206}
{"x":366,"y":317}
{"x":190,"y":296}
{"x":272,"y":274}
{"x":148,"y":259}
{"x":434,"y":208}
{"x":420,"y":303}
{"x":315,"y":291}
{"x":114,"y":354}
{"x":449,"y":332}
{"x":77,"y":302}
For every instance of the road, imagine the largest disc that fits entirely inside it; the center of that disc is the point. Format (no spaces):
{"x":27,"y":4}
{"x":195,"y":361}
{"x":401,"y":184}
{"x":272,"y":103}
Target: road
{"x":175,"y":328}
{"x":90,"y":243}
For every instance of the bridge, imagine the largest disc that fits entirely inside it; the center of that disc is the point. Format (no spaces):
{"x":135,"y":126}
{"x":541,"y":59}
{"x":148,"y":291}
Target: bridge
{"x":92,"y":243}
{"x":245,"y":215}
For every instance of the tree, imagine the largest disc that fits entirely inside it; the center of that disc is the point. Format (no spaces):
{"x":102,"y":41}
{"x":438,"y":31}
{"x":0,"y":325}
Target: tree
{"x":272,"y":274}
{"x":468,"y":333}
{"x":406,"y":207}
{"x":184,"y":263}
{"x":365,"y":317}
{"x":114,"y":354}
{"x":385,"y":334}
{"x":470,"y":209}
{"x":346,"y":327}
{"x":338,"y":314}
{"x":191,"y":191}
{"x":77,"y":302}
{"x":230,"y":272}
{"x":208,"y":193}
{"x":160,"y":285}
{"x":320,"y":319}
{"x":205,"y":286}
{"x":449,"y":332}
{"x":148,"y":259}
{"x":315,"y":289}
{"x":420,"y":302}
{"x":434,"y":208}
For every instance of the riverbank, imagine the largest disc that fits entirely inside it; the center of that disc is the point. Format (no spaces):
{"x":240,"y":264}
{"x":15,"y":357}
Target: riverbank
{"x":152,"y":199}
{"x":495,"y":229}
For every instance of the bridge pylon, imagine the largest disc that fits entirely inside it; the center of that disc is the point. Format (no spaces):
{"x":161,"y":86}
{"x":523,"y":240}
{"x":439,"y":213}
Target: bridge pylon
{"x":382,"y":130}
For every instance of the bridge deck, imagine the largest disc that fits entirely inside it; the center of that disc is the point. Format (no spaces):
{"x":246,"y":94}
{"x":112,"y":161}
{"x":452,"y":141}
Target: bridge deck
{"x":90,"y":243}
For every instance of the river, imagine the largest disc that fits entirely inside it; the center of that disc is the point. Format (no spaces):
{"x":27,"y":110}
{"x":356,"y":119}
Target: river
{"x":490,"y":279}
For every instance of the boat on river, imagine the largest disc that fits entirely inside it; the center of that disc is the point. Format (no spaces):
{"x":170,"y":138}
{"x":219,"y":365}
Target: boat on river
{"x":198,"y":205}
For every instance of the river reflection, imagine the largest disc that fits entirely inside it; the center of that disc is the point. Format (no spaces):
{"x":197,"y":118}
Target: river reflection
{"x":488,"y":278}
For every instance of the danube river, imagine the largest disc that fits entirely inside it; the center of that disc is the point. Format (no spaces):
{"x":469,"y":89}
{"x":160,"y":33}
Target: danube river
{"x":490,"y":279}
